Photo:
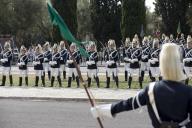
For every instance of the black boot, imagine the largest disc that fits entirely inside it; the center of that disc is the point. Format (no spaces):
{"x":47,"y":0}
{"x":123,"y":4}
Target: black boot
{"x":3,"y":80}
{"x":150,"y":75}
{"x":113,"y":77}
{"x":77,"y":80}
{"x":59,"y":80}
{"x":43,"y":80}
{"x":89,"y":82}
{"x":97,"y":81}
{"x":11,"y":80}
{"x":73,"y":76}
{"x":142,"y":75}
{"x":117,"y":81}
{"x":108,"y":82}
{"x":49,"y":75}
{"x":140,"y":82}
{"x":125,"y":75}
{"x":26,"y":81}
{"x":64,"y":74}
{"x":36,"y":81}
{"x":20,"y":81}
{"x":153,"y":79}
{"x":69,"y":82}
{"x":52,"y":80}
{"x":160,"y":78}
{"x":187,"y":81}
{"x":129,"y":82}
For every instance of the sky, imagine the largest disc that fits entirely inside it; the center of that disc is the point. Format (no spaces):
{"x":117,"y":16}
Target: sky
{"x":149,"y":4}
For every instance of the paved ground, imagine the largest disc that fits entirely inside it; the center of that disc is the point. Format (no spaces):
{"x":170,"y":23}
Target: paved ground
{"x":52,"y":114}
{"x":65,"y":93}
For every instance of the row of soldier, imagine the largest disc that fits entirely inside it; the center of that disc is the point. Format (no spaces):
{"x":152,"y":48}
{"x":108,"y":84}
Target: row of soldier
{"x":137,"y":60}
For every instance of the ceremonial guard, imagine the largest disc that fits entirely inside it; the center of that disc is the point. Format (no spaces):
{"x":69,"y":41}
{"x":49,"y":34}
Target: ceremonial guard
{"x":6,"y":61}
{"x":154,"y":60}
{"x":63,"y":58}
{"x":166,"y":40}
{"x":172,"y":40}
{"x":111,"y":57}
{"x":71,"y":66}
{"x":169,"y":101}
{"x":91,"y":61}
{"x":182,"y":39}
{"x":134,"y":62}
{"x":47,"y":57}
{"x":127,"y":55}
{"x":187,"y":60}
{"x":55,"y":65}
{"x":22,"y":63}
{"x":38,"y":65}
{"x":145,"y":57}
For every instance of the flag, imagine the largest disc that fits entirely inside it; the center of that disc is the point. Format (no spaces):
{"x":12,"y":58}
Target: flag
{"x":57,"y":20}
{"x":142,"y":31}
{"x":179,"y":28}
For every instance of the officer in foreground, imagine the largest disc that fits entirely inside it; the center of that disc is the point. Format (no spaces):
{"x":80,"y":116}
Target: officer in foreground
{"x":169,"y":101}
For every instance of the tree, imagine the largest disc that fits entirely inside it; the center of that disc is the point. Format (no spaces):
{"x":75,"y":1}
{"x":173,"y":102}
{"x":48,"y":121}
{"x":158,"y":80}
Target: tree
{"x":173,"y":12}
{"x":68,"y":11}
{"x":189,"y":16}
{"x":133,"y":17}
{"x":20,"y":18}
{"x":84,"y":19}
{"x":106,"y":16}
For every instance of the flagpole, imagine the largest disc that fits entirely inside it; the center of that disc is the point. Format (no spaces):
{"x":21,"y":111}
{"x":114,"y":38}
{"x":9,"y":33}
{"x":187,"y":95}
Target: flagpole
{"x":82,"y":81}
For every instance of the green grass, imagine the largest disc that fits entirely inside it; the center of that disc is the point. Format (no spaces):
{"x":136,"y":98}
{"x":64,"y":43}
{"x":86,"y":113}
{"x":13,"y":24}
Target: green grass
{"x":122,"y":84}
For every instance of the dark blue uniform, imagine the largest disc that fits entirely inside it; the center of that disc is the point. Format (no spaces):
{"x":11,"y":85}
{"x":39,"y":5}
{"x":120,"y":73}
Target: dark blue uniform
{"x":72,"y":69}
{"x":9,"y":56}
{"x":135,"y":54}
{"x":23,"y":59}
{"x":173,"y":101}
{"x":63,"y":56}
{"x":93,"y":56}
{"x":111,"y":55}
{"x":38,"y":58}
{"x":92,"y":67}
{"x":56,"y":58}
{"x":47,"y":56}
{"x":55,"y":68}
{"x":77,"y":59}
{"x":154,"y":55}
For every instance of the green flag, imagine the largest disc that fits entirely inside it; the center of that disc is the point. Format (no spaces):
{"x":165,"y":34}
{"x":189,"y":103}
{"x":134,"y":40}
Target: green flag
{"x":64,"y":30}
{"x":179,"y":28}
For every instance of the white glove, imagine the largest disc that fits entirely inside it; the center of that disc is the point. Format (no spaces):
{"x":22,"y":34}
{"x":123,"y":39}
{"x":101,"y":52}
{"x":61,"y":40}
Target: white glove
{"x":88,"y":62}
{"x":101,"y":110}
{"x":134,"y":60}
{"x":126,"y":59}
{"x":19,"y":64}
{"x":45,"y":59}
{"x":110,"y":62}
{"x":155,"y":59}
{"x":69,"y":61}
{"x":145,"y":57}
{"x":92,"y":62}
{"x":36,"y":62}
{"x":4,"y":60}
{"x":152,"y":61}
